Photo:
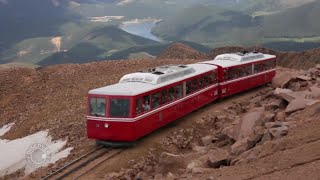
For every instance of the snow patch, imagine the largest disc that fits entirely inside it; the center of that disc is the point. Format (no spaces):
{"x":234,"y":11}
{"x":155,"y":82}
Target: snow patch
{"x":139,"y":21}
{"x":13,"y":153}
{"x":105,"y":18}
{"x":4,"y":129}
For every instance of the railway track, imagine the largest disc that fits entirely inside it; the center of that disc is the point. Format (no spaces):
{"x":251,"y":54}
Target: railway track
{"x":84,"y":164}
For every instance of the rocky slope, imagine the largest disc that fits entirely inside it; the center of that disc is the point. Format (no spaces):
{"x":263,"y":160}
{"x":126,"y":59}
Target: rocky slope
{"x":181,"y":51}
{"x":54,"y":97}
{"x":270,"y":135}
{"x":212,"y":142}
{"x":298,"y":60}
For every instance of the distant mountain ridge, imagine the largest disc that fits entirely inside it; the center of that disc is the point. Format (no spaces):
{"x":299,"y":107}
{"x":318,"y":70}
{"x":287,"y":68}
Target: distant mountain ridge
{"x":217,"y":26}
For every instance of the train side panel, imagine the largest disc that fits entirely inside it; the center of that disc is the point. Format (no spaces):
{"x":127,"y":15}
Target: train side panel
{"x":173,"y":111}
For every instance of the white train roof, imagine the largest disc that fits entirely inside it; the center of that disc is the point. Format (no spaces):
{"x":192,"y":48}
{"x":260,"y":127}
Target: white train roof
{"x":227,"y":60}
{"x":141,"y":82}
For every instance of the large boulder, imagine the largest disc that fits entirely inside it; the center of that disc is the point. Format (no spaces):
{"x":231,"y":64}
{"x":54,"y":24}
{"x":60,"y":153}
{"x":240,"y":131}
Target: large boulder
{"x":296,"y":105}
{"x":304,"y":78}
{"x":218,"y":158}
{"x":170,"y":162}
{"x":278,"y":91}
{"x":239,"y":146}
{"x":283,"y":77}
{"x":280,"y":116}
{"x":248,"y":122}
{"x":315,"y":92}
{"x":275,"y":104}
{"x":223,"y":139}
{"x":278,"y":132}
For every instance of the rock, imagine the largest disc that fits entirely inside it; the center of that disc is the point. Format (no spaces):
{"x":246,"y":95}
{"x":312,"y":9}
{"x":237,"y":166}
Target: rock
{"x":256,"y":99}
{"x":278,"y":103}
{"x":289,"y":96}
{"x":280,"y":116}
{"x":239,"y":146}
{"x":297,"y":104}
{"x":318,"y":66}
{"x":224,"y":140}
{"x":268,"y":117}
{"x":248,"y":122}
{"x":313,"y":102}
{"x":170,"y":176}
{"x":199,"y":149}
{"x":259,"y":130}
{"x":253,"y":141}
{"x":304,"y":78}
{"x":218,"y":158}
{"x":229,"y":130}
{"x":169,"y":162}
{"x":266,"y":137}
{"x":278,"y":91}
{"x":315,"y":92}
{"x":191,"y":167}
{"x":278,"y":132}
{"x":294,"y":86}
{"x":304,"y":84}
{"x":318,"y":81}
{"x":207,"y":140}
{"x":221,"y":118}
{"x":276,"y":124}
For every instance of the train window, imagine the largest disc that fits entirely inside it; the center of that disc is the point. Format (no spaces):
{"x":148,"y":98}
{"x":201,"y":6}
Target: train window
{"x":202,"y":82}
{"x":178,"y":90}
{"x":242,"y":71}
{"x":172,"y":94}
{"x":146,"y":103}
{"x":195,"y":85}
{"x":256,"y":68}
{"x":211,"y":78}
{"x":98,"y":106}
{"x":248,"y":69}
{"x":164,"y":96}
{"x":119,"y":107}
{"x":139,"y":106}
{"x":232,"y":73}
{"x":189,"y":87}
{"x":225,"y":74}
{"x":155,"y":100}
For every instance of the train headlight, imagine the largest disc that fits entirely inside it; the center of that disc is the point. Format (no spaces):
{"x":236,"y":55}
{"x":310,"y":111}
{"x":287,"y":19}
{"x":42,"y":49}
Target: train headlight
{"x":106,"y":125}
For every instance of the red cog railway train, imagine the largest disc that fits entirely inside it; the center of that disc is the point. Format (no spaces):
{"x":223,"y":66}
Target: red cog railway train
{"x":122,"y":113}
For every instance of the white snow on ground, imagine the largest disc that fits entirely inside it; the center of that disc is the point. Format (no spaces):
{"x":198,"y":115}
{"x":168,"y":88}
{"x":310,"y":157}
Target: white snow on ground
{"x":4,"y":129}
{"x":13,"y":153}
{"x":105,"y":18}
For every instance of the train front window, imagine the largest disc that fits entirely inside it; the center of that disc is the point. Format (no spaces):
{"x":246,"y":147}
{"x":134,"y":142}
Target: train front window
{"x":119,"y":107}
{"x":97,"y":106}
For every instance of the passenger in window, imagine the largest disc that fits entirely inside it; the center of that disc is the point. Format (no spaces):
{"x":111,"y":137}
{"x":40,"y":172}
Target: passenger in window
{"x":102,"y":108}
{"x":178,"y":91}
{"x":146,"y":106}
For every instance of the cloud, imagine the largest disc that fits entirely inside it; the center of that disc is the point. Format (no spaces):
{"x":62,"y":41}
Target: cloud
{"x":3,"y":1}
{"x":124,"y":2}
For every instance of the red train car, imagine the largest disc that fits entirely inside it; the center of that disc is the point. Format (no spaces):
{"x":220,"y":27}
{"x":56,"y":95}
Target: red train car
{"x":242,"y":71}
{"x":145,"y":101}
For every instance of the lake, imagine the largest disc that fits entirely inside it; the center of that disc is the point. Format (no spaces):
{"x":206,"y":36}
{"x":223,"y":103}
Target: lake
{"x":142,"y":29}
